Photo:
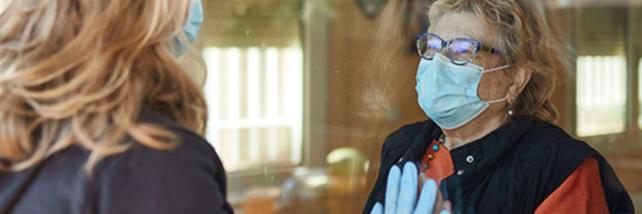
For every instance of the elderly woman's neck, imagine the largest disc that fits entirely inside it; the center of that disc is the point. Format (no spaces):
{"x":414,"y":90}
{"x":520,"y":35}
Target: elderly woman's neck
{"x":475,"y":130}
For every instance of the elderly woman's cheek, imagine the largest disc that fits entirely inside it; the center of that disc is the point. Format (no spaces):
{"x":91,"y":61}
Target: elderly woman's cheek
{"x":493,"y":86}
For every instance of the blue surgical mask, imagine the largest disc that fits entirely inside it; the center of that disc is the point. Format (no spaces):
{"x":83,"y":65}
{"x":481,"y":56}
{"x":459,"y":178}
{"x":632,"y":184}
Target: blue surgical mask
{"x":448,"y":92}
{"x":192,"y":26}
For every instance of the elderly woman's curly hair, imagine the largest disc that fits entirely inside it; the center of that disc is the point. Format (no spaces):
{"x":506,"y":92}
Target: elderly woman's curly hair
{"x":527,"y":36}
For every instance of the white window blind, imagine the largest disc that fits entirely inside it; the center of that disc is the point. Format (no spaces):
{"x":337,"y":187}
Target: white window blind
{"x":256,"y":105}
{"x":601,"y":89}
{"x":601,"y":95}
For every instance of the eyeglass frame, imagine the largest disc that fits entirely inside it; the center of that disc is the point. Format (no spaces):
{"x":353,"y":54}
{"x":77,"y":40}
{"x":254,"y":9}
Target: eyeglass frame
{"x":444,"y":45}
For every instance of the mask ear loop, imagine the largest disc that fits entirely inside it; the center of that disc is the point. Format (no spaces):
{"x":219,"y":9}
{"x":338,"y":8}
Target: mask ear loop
{"x":497,"y":68}
{"x":493,"y":70}
{"x":497,"y":101}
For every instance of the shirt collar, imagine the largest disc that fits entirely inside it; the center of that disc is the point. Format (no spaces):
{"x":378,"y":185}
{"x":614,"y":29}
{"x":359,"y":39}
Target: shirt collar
{"x":473,"y":158}
{"x":420,"y":143}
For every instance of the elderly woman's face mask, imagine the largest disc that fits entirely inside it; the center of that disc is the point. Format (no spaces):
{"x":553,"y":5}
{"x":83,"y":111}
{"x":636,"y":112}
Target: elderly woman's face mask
{"x":448,"y":84}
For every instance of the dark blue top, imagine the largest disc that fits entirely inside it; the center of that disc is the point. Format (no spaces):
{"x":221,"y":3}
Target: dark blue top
{"x":187,"y":179}
{"x":515,"y":167}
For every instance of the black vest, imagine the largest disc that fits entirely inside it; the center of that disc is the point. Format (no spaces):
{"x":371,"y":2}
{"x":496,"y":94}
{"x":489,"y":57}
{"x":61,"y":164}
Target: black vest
{"x":515,"y":167}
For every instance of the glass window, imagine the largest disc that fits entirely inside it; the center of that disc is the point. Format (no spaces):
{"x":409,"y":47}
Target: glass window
{"x":303,"y":93}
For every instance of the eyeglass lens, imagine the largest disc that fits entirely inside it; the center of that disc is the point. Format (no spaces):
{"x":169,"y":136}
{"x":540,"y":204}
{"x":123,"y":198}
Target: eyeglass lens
{"x":459,"y":50}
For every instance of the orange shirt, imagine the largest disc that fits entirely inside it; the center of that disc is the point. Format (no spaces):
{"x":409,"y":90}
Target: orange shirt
{"x":581,"y":192}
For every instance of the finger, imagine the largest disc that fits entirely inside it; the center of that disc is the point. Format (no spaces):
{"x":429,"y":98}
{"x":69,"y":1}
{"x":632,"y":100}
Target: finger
{"x":447,"y":208}
{"x":408,"y":189}
{"x":426,"y":202}
{"x":444,"y":212}
{"x":392,"y":190}
{"x":377,"y":209}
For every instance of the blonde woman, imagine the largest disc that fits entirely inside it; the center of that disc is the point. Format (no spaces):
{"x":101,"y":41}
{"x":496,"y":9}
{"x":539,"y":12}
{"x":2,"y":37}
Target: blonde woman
{"x":96,"y":113}
{"x":485,"y":80}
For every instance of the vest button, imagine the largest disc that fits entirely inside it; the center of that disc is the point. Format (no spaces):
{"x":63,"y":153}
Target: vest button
{"x":470,"y":159}
{"x":460,"y":172}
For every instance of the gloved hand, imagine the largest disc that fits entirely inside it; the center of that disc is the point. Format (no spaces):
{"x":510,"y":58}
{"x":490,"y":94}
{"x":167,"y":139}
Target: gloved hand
{"x":401,"y":194}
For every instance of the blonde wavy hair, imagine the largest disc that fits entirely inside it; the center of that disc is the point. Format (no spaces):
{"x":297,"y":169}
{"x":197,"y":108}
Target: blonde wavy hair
{"x":527,"y":36}
{"x":79,"y":72}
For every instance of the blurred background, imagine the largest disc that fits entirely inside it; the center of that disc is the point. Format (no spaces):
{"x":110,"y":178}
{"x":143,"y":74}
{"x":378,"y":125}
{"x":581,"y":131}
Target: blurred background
{"x":302,"y":93}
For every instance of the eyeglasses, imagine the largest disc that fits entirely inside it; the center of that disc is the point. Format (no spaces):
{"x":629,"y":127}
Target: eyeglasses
{"x":460,"y":51}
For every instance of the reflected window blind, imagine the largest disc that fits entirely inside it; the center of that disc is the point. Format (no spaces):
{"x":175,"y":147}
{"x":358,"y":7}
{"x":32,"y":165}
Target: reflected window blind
{"x":601,"y":72}
{"x":256,"y":105}
{"x":254,"y":85}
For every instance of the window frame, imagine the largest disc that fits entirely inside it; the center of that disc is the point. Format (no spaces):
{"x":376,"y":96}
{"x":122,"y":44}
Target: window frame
{"x":315,"y":38}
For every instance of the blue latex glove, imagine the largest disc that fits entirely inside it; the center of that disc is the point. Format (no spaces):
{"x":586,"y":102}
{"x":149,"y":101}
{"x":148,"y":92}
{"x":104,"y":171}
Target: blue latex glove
{"x":401,"y":193}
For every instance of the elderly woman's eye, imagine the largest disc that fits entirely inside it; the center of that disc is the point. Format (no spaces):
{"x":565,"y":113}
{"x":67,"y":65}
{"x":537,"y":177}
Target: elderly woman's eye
{"x":461,"y":47}
{"x":434,"y":44}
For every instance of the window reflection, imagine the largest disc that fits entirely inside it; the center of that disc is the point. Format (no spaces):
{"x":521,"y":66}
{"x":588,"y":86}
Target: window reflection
{"x":255,"y":101}
{"x":601,"y":95}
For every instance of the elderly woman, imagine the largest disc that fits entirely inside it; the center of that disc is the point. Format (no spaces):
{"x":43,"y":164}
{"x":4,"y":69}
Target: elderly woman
{"x":485,"y":80}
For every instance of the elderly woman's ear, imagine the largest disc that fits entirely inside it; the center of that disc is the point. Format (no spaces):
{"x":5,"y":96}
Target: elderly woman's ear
{"x":520,"y":81}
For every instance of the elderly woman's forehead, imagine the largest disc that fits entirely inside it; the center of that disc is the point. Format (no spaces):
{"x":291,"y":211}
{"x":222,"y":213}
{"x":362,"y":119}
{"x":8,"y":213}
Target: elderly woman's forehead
{"x":463,"y":24}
